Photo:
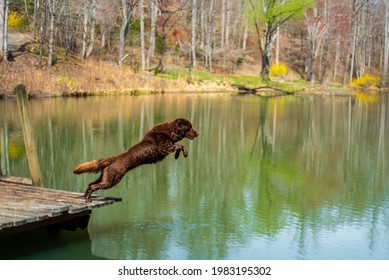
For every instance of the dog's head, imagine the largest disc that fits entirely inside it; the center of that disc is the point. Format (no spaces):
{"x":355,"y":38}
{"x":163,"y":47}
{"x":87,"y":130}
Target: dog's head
{"x":182,"y":128}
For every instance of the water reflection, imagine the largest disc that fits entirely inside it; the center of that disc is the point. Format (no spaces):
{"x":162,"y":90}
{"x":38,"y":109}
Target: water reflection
{"x":282,"y":178}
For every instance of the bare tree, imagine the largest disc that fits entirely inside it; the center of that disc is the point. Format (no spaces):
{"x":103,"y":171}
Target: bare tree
{"x":223,"y":23}
{"x":386,"y":46}
{"x":53,"y":6}
{"x":142,"y":33}
{"x":168,"y":10}
{"x":42,"y":30}
{"x":202,"y":25}
{"x":35,"y":17}
{"x":210,"y":39}
{"x":4,"y":4}
{"x":153,"y":24}
{"x":85,"y":33}
{"x":267,"y":16}
{"x":228,"y":23}
{"x":245,"y":35}
{"x":356,"y":8}
{"x":127,"y":10}
{"x":194,"y":24}
{"x":92,"y":29}
{"x":317,"y":27}
{"x":103,"y":24}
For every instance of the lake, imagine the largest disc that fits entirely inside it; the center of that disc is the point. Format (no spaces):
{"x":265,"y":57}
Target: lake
{"x":268,"y":178}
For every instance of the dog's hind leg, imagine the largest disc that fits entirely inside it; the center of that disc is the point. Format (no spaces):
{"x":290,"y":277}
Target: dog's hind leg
{"x":92,"y":188}
{"x":89,"y":190}
{"x":105,"y":181}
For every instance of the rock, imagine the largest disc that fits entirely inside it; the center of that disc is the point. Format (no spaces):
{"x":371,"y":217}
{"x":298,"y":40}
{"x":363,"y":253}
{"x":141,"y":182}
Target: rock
{"x":17,"y":41}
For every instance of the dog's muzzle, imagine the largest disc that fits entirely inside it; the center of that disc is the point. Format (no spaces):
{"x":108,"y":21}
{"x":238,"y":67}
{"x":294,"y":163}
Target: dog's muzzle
{"x":192,"y":134}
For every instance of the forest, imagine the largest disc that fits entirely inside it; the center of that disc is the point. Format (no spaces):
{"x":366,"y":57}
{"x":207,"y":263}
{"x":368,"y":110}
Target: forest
{"x":319,"y":42}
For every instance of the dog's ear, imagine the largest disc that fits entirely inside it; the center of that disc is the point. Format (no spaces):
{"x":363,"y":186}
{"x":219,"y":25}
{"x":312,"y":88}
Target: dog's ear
{"x":181,"y":122}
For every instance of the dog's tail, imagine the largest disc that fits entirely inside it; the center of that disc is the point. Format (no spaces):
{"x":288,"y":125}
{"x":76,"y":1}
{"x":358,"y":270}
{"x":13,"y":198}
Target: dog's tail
{"x":94,"y":166}
{"x":87,"y":167}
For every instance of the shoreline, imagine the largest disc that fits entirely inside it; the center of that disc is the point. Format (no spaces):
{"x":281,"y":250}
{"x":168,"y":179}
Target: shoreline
{"x":263,"y":93}
{"x":100,"y":78}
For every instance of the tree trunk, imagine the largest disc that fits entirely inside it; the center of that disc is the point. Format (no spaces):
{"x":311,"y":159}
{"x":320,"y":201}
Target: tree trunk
{"x":161,"y":64}
{"x":35,"y":17}
{"x":265,"y":66}
{"x":202,"y":25}
{"x":85,"y":33}
{"x":103,"y":24}
{"x":245,"y":33}
{"x":26,"y":11}
{"x":278,"y":46}
{"x":194,"y":23}
{"x":142,"y":34}
{"x":92,"y":29}
{"x":337,"y":49}
{"x":386,"y":47}
{"x":228,"y":23}
{"x":126,"y":13}
{"x":210,"y":37}
{"x":309,"y":63}
{"x":2,"y":9}
{"x":4,"y":31}
{"x":2,"y":13}
{"x":349,"y":45}
{"x":43,"y":32}
{"x":354,"y":42}
{"x":153,"y":19}
{"x":51,"y":40}
{"x":223,"y":24}
{"x":266,"y":49}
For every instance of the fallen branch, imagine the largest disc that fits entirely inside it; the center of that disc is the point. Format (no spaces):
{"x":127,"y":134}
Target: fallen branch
{"x":250,"y":90}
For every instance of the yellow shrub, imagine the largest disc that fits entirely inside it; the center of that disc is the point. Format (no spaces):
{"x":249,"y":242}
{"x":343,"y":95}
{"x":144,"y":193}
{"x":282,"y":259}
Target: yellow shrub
{"x":66,"y":82}
{"x":280,"y":70}
{"x":366,"y":80}
{"x":14,"y":20}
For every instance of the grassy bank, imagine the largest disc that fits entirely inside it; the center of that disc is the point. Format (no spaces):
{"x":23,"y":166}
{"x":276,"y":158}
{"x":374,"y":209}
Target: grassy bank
{"x":72,"y":76}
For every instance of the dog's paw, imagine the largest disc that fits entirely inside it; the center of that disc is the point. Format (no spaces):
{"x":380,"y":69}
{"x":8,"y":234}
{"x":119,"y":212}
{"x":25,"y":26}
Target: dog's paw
{"x":177,"y":154}
{"x":185,"y":152}
{"x":87,"y":199}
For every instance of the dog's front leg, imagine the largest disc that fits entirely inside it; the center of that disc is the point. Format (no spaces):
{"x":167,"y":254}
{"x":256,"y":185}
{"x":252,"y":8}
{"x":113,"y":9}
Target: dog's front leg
{"x":180,"y":148}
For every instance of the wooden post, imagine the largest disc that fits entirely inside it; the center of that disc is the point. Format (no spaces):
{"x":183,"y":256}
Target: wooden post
{"x":28,"y":136}
{"x":2,"y":147}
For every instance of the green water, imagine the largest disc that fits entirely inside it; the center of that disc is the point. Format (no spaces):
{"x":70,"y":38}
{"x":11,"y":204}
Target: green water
{"x":281,"y":178}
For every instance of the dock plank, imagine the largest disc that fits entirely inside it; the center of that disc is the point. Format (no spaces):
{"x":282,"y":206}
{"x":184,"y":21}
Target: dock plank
{"x":24,"y":206}
{"x":14,"y":179}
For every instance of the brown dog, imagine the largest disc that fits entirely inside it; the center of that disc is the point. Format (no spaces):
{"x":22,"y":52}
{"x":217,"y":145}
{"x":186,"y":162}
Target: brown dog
{"x":154,"y":147}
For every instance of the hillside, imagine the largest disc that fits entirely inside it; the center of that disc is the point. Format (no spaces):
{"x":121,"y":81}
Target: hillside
{"x":73,"y":76}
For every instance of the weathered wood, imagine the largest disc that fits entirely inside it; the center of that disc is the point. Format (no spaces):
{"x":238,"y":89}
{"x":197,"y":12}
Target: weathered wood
{"x":23,"y":207}
{"x":1,"y":145}
{"x":28,"y":136}
{"x":244,"y":88}
{"x":17,"y":180}
{"x":250,"y":90}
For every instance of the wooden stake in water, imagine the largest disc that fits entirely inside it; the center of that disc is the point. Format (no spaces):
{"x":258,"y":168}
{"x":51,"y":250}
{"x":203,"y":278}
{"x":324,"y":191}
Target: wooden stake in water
{"x":28,"y":136}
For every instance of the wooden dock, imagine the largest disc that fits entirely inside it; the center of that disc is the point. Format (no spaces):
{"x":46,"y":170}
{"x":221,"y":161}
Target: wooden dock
{"x":25,"y":204}
{"x":25,"y":207}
